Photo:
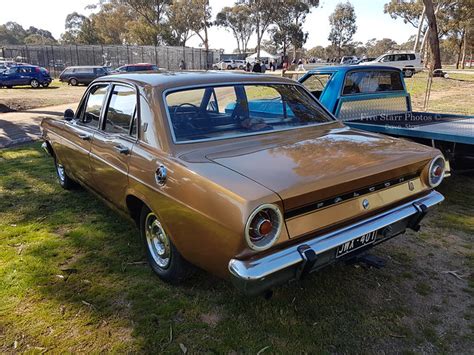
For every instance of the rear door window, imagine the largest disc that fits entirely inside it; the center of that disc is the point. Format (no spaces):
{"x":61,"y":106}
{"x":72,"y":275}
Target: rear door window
{"x":94,"y":104}
{"x":121,"y":110}
{"x":366,"y":82}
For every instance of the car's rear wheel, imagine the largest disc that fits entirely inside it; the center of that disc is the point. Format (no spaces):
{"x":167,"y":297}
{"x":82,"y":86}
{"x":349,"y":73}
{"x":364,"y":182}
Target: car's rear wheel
{"x":408,"y":73}
{"x":229,"y":67}
{"x":162,"y":255}
{"x":73,"y":82}
{"x":45,"y":85}
{"x":64,"y":180}
{"x":34,"y":83}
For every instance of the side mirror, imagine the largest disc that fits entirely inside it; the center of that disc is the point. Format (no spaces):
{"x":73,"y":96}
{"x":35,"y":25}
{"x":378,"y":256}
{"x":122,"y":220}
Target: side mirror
{"x":68,"y":114}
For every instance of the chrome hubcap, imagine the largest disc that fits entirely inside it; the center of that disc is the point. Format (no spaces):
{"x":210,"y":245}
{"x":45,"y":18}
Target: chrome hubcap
{"x":157,"y":241}
{"x":61,"y":172}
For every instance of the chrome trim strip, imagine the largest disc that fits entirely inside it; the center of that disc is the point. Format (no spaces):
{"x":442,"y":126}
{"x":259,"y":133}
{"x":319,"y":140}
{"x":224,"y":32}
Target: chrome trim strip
{"x":255,"y":270}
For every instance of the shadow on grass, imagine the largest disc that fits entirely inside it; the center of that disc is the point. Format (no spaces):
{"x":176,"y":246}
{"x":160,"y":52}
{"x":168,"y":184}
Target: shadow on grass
{"x":108,"y":298}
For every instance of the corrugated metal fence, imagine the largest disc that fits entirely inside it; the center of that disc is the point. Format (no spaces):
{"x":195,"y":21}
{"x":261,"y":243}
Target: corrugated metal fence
{"x":56,"y":58}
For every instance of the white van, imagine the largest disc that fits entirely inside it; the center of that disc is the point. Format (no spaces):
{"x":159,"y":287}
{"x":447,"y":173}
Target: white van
{"x":408,"y":62}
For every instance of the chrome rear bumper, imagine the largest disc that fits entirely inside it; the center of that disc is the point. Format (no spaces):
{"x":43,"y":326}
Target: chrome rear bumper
{"x":258,"y":274}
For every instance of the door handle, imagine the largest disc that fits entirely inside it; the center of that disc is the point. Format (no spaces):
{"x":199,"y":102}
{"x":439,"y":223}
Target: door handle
{"x":121,"y":149}
{"x":85,"y":137}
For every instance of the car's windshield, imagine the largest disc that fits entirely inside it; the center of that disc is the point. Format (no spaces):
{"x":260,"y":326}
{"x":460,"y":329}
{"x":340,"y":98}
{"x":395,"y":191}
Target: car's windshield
{"x":221,"y":112}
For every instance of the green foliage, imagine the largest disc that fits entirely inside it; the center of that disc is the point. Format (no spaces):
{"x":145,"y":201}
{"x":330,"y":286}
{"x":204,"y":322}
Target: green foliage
{"x":343,"y":25}
{"x":14,"y":33}
{"x":237,"y":19}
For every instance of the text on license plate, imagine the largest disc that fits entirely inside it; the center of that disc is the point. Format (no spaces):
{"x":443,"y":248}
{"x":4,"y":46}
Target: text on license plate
{"x":356,"y":243}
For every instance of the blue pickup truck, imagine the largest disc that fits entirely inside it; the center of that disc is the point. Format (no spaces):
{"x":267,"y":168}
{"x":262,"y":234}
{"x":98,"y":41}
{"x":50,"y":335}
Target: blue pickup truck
{"x":374,"y":98}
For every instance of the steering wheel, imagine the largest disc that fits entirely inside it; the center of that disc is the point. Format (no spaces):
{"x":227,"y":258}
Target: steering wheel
{"x":176,"y":109}
{"x":182,"y":119}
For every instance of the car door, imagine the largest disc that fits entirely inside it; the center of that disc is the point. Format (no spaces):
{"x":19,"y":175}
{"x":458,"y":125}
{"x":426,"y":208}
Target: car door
{"x":12,"y":77}
{"x":112,"y":146}
{"x":79,"y":133}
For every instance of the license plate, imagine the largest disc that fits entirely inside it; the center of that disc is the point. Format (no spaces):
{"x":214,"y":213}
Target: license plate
{"x":355,"y":244}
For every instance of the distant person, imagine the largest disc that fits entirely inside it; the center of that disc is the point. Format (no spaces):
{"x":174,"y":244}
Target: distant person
{"x":285,"y":65}
{"x":300,"y":65}
{"x":248,"y":66}
{"x":257,"y":68}
{"x":272,"y":65}
{"x":263,"y":68}
{"x":182,"y":65}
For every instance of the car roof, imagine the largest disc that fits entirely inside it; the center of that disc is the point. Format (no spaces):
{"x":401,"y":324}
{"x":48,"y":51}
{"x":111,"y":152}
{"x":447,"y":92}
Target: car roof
{"x":177,"y":79}
{"x":84,"y":66}
{"x":137,"y":65}
{"x":346,"y":68}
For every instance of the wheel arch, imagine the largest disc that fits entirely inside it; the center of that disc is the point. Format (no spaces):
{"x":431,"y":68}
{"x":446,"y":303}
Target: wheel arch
{"x":134,"y":207}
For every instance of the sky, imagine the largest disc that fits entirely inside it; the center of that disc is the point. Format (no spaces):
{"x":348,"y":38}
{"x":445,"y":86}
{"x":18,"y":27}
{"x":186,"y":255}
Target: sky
{"x":371,"y":20}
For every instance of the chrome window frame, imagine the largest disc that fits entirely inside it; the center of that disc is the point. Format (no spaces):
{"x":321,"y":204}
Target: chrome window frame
{"x":204,"y":86}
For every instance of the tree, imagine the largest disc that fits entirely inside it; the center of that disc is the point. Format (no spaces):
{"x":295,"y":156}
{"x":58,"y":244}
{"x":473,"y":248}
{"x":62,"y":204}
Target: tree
{"x":238,"y":19}
{"x":113,"y":22}
{"x":375,"y":48}
{"x":343,"y":25}
{"x":79,"y":29}
{"x":14,"y":33}
{"x":263,"y":14}
{"x":433,"y":35}
{"x":151,"y":17}
{"x":288,"y":27}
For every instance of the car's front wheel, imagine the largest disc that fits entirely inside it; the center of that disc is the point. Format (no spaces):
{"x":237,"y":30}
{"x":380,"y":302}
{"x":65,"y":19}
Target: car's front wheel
{"x":64,"y":180}
{"x":162,"y":255}
{"x":34,"y":83}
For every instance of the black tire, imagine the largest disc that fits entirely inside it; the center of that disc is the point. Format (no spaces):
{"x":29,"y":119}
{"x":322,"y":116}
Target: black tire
{"x":229,"y":67}
{"x":35,"y":84}
{"x":45,"y":85}
{"x":73,"y":82}
{"x":8,"y":86}
{"x":63,"y":178}
{"x":408,"y":73}
{"x":176,"y":269}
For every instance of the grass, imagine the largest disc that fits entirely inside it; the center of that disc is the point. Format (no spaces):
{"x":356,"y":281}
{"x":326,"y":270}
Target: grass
{"x":451,"y":95}
{"x":72,"y":278}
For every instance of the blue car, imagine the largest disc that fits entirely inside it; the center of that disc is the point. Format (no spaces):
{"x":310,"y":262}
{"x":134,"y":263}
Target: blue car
{"x":25,"y":75}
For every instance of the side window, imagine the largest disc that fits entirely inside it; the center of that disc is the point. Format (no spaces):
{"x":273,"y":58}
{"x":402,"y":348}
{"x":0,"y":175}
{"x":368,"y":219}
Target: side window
{"x":317,"y":82}
{"x":221,"y":99}
{"x":411,"y":57}
{"x":121,"y":110}
{"x":93,"y":106}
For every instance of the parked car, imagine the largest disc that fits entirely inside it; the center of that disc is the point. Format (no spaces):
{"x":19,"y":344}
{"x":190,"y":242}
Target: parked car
{"x":248,"y":193}
{"x":365,"y":60}
{"x":228,"y":64}
{"x":82,"y":74}
{"x":25,"y":75}
{"x":136,"y":67}
{"x":350,"y":59}
{"x":409,"y":62}
{"x":375,"y":98}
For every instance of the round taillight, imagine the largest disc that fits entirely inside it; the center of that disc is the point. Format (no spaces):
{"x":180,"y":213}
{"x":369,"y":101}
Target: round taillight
{"x":436,"y":171}
{"x":263,"y":227}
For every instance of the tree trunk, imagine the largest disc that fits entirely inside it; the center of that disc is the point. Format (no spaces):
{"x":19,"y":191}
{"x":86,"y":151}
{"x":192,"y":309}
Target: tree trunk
{"x":433,"y":37}
{"x":463,"y":58}
{"x":420,"y":26}
{"x":460,"y":49}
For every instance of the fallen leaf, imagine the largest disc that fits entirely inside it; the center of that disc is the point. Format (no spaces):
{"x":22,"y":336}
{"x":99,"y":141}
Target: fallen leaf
{"x":183,"y":348}
{"x":262,"y":350}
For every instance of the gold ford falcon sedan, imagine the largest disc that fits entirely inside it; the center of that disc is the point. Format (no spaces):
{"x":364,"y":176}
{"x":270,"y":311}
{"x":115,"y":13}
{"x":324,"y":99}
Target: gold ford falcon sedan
{"x":243,"y":175}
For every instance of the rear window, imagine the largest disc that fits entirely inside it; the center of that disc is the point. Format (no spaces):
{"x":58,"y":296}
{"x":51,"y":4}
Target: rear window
{"x":366,"y":82}
{"x":221,"y":112}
